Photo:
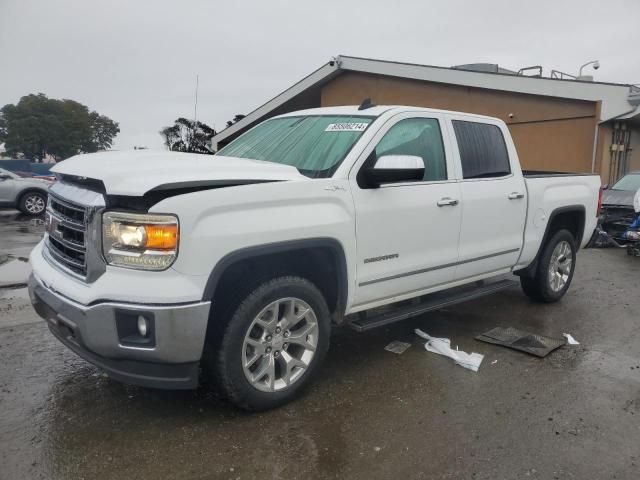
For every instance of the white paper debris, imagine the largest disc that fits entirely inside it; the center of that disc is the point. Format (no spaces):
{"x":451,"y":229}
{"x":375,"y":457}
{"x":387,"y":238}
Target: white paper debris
{"x":442,"y":346}
{"x":570,"y":339}
{"x":397,"y":347}
{"x":494,"y":362}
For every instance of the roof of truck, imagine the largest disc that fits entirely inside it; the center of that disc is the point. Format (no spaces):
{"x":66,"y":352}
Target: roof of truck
{"x":375,"y":111}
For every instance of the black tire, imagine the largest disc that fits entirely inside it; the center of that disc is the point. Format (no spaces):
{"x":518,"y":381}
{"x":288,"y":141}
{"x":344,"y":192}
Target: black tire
{"x":539,"y":287}
{"x":224,"y":363}
{"x":33,"y":202}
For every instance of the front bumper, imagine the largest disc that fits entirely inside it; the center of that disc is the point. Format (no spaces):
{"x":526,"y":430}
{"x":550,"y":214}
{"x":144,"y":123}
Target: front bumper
{"x":91,"y":332}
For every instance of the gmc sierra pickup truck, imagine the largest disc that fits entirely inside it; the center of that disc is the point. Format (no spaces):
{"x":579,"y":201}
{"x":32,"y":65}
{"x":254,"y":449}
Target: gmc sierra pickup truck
{"x":159,"y":266}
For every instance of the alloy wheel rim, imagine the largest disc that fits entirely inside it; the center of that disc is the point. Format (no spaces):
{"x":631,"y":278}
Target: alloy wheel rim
{"x":560,"y":266}
{"x":280,"y":344}
{"x":34,"y":204}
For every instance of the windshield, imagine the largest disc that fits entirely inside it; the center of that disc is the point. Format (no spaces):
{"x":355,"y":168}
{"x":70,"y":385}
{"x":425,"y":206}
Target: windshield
{"x":630,"y":183}
{"x":315,"y":145}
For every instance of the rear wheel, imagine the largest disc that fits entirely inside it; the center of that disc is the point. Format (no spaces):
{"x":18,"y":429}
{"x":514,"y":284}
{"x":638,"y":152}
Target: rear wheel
{"x":273,"y":344}
{"x":554,"y":271}
{"x":33,"y":203}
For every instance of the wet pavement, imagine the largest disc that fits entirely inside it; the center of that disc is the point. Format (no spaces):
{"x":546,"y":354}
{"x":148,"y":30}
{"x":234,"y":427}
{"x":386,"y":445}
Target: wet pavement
{"x":18,"y":234}
{"x":373,"y":414}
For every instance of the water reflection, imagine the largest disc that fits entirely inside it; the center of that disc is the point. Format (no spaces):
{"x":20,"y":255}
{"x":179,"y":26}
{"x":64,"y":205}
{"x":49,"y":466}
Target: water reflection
{"x":99,"y":428}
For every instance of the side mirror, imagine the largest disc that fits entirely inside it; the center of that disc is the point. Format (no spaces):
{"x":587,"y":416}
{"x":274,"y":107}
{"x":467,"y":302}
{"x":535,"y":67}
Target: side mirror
{"x":394,"y":168}
{"x":636,"y":201}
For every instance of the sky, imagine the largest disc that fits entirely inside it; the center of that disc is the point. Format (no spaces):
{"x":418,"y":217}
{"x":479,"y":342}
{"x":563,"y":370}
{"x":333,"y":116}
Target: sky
{"x":136,"y":61}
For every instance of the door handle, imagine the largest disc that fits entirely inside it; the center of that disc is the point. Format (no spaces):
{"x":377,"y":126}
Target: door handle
{"x":447,"y":202}
{"x":515,"y":195}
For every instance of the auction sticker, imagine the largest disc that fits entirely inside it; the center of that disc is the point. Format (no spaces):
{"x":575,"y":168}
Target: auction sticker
{"x":346,"y":127}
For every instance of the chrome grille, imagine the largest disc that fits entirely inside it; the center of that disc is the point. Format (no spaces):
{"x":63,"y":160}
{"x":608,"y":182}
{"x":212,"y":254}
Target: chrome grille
{"x":72,"y":242}
{"x":66,"y":241}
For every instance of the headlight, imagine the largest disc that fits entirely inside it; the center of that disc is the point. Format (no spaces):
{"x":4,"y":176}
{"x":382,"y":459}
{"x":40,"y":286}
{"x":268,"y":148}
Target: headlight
{"x":142,"y":241}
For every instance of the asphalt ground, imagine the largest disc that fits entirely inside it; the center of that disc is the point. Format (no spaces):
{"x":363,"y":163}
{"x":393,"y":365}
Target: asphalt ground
{"x":373,"y":414}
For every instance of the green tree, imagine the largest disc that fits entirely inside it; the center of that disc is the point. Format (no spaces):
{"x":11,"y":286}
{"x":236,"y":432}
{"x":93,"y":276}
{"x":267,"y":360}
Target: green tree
{"x":37,"y":127}
{"x":188,"y":136}
{"x":103,"y":131}
{"x":236,"y":119}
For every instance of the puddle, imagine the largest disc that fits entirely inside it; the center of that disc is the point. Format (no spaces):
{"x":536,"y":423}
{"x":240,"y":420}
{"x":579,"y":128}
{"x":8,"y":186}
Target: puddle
{"x":14,"y":272}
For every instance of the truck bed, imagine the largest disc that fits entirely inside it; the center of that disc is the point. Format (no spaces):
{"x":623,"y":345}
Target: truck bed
{"x":554,"y":191}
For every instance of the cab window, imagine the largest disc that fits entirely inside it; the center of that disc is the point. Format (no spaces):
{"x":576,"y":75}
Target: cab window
{"x":420,"y":137}
{"x":483,"y":152}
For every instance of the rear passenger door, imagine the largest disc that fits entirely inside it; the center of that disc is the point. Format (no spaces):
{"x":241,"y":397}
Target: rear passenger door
{"x":493,"y":195}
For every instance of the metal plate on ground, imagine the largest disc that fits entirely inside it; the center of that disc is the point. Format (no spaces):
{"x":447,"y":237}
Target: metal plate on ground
{"x":532,"y":343}
{"x":397,"y":347}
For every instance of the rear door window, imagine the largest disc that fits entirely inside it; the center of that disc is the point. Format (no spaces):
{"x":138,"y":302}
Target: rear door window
{"x":483,"y":152}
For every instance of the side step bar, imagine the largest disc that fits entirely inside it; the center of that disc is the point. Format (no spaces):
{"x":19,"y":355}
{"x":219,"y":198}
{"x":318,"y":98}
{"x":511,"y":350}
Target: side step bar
{"x":428,"y":303}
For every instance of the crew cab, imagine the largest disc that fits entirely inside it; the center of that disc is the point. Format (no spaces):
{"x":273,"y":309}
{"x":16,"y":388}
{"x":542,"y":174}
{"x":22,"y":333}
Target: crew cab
{"x":158,"y":266}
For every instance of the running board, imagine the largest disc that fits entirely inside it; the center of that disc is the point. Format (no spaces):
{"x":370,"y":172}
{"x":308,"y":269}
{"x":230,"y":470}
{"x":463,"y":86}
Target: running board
{"x":433,"y":301}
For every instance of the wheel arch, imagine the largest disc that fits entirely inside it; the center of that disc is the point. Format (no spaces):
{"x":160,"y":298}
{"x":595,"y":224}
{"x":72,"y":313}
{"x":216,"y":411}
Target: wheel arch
{"x":572,"y":218}
{"x":321,"y":260}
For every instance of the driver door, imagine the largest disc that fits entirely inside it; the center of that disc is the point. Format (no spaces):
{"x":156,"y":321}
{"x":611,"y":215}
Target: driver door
{"x":406,"y":232}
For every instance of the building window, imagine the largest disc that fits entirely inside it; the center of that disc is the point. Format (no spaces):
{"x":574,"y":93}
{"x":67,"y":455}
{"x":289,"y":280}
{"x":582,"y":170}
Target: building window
{"x":483,"y":152}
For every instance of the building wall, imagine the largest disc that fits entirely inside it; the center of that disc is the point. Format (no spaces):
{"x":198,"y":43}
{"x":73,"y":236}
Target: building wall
{"x":634,"y":155}
{"x":549,"y":133}
{"x":603,"y":152}
{"x":606,"y":144}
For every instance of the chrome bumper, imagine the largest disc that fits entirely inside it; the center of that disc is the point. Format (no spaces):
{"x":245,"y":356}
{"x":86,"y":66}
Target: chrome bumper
{"x":91,"y":331}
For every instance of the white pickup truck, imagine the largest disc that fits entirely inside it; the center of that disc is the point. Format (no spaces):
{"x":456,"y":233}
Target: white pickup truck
{"x":157,"y":265}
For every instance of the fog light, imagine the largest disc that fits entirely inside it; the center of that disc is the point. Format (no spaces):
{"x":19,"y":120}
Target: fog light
{"x":135,"y":328}
{"x":143,"y":326}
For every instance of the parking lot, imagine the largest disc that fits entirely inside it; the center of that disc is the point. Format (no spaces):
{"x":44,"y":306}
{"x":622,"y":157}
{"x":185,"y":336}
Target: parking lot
{"x":373,"y":414}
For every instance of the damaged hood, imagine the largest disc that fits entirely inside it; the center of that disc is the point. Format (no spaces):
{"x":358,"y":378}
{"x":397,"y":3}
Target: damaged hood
{"x":138,"y":172}
{"x":618,"y":198}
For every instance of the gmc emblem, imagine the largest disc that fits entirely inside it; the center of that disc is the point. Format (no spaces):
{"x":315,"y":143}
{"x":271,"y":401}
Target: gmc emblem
{"x":51,"y":225}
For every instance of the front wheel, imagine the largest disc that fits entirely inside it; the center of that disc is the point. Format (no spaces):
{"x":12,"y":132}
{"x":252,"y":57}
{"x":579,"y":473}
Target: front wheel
{"x":273,"y":344}
{"x":555,"y":269}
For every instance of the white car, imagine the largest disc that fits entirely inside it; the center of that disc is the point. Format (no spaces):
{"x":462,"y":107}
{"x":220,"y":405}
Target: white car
{"x":155,"y":264}
{"x":29,"y":195}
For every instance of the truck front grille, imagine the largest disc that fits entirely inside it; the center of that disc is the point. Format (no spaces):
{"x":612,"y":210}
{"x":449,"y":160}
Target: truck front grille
{"x":66,"y":226}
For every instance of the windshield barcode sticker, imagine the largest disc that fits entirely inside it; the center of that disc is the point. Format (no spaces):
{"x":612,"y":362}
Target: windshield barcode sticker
{"x":346,"y":127}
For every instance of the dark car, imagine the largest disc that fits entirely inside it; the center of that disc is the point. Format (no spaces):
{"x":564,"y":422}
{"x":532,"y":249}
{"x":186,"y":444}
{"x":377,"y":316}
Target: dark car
{"x":617,"y":205}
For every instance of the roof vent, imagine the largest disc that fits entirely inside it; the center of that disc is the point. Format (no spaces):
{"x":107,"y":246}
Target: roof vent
{"x":483,"y":68}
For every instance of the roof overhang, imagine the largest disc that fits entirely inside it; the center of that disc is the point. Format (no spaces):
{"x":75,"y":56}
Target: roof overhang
{"x":613,"y":97}
{"x":320,"y":76}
